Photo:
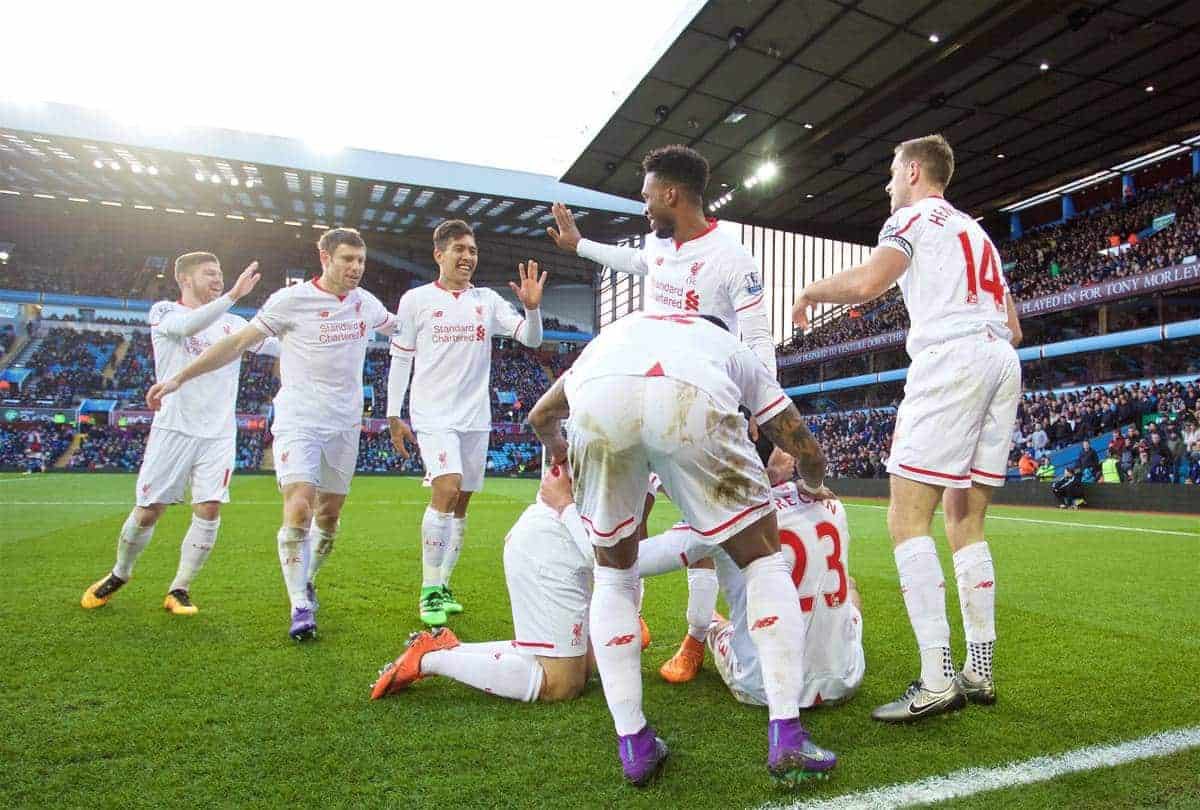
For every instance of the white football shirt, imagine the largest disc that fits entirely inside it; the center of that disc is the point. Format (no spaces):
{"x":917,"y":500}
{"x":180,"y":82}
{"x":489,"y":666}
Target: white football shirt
{"x":323,"y":339}
{"x":449,"y":334}
{"x":712,"y":274}
{"x":815,"y":538}
{"x":954,"y":285}
{"x":203,"y":406}
{"x":683,"y":347}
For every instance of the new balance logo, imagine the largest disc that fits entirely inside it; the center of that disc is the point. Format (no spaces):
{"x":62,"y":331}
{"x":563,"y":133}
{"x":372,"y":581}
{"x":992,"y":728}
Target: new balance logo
{"x":987,"y":583}
{"x":765,"y":621}
{"x":618,"y":641}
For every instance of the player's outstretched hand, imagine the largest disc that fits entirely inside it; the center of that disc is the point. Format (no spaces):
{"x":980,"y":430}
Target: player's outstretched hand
{"x":246,"y":282}
{"x":530,"y":289}
{"x":566,"y":236}
{"x":401,"y":433}
{"x":800,"y":311}
{"x":154,"y":396}
{"x":555,"y":490}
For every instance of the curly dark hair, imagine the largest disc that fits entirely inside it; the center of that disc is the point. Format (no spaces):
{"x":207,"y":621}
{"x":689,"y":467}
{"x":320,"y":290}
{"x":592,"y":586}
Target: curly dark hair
{"x":679,"y":165}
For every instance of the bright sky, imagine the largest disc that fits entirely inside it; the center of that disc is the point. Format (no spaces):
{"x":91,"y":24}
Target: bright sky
{"x":519,"y":85}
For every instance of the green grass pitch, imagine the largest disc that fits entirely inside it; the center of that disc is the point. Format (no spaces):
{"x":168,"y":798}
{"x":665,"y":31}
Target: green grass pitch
{"x":127,"y":706}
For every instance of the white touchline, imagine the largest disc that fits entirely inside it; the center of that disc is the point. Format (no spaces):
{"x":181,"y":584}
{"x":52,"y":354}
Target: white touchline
{"x":1062,"y":523}
{"x":970,"y":781}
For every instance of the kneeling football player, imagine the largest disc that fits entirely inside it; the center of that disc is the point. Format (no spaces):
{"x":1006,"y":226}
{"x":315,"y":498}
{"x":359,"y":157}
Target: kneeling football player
{"x":814,"y":537}
{"x":548,"y":566}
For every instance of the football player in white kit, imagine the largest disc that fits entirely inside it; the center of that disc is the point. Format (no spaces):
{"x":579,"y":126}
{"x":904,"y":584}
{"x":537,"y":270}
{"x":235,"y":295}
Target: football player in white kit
{"x":691,"y":266}
{"x":954,"y":426}
{"x":445,"y":329}
{"x":193,"y":440}
{"x":548,"y":566}
{"x":660,"y":393}
{"x":814,"y":538}
{"x":323,"y":327}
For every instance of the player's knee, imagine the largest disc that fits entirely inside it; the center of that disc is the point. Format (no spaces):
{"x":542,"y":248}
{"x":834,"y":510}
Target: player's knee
{"x":208,"y":510}
{"x":562,"y":684}
{"x":147,"y":516}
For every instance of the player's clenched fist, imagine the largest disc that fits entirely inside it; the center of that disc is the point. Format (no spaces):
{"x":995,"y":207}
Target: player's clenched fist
{"x":154,"y":396}
{"x":402,"y":436}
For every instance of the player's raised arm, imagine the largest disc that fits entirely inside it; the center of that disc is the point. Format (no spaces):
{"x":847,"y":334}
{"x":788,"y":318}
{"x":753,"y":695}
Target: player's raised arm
{"x":568,"y":238}
{"x":546,"y":418}
{"x":221,"y":353}
{"x":528,"y":330}
{"x":181,"y":324}
{"x":857,"y":285}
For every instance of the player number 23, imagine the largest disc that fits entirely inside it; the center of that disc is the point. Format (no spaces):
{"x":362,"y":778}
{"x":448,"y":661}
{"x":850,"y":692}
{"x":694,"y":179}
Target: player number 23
{"x":825,"y":530}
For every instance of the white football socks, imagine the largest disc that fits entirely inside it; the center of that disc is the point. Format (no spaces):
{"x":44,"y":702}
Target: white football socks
{"x":976,"y":578}
{"x":319,"y":543}
{"x":509,"y":674}
{"x":702,"y":601}
{"x":130,"y":544}
{"x":616,"y":643}
{"x":924,"y":590}
{"x":193,"y":552}
{"x":458,"y":528}
{"x":777,"y":629}
{"x":292,"y":552}
{"x":435,"y":538}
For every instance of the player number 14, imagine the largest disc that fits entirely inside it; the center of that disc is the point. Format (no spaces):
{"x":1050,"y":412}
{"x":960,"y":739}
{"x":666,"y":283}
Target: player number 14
{"x":989,"y":272}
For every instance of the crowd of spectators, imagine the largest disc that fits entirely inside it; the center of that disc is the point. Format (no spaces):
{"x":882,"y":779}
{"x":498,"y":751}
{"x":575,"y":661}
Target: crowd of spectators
{"x":33,"y":447}
{"x":8,"y":336}
{"x":105,"y":447}
{"x":68,"y":364}
{"x":1052,"y":259}
{"x":856,"y":443}
{"x":136,"y":369}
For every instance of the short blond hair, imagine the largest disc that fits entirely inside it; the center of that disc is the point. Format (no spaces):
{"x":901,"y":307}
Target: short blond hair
{"x":190,"y":261}
{"x":934,"y":154}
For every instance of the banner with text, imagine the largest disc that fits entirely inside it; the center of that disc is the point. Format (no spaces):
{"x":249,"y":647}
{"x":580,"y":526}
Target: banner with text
{"x":1179,"y":275}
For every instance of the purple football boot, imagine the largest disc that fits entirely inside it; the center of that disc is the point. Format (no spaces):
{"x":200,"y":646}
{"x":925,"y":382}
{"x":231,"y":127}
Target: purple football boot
{"x":304,"y":624}
{"x":642,"y":755}
{"x":793,"y":756}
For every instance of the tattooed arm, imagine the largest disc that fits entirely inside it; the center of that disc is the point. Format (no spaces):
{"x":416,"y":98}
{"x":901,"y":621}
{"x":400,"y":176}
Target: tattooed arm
{"x":788,"y":431}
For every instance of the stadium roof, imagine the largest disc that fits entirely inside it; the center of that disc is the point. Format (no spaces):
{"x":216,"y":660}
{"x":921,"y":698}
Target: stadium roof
{"x":1031,"y":94}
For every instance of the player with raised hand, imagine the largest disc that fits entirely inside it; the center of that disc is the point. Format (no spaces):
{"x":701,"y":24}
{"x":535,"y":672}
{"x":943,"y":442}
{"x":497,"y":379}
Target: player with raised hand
{"x":954,"y":426}
{"x":323,"y":327}
{"x":444,"y":341}
{"x":660,"y":393}
{"x":193,"y":440}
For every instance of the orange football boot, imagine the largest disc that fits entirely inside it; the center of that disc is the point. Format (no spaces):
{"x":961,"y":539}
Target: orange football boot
{"x":684,"y":664}
{"x":645,"y":632}
{"x":406,"y":670}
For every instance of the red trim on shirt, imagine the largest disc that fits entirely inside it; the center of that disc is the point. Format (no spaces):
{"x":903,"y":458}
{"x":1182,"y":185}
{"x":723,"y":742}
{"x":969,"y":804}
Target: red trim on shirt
{"x":769,"y":407}
{"x":599,"y":533}
{"x":712,"y":226}
{"x":751,"y":304}
{"x":541,"y":644}
{"x":406,"y":348}
{"x":919,"y":471}
{"x":264,"y":325}
{"x":316,"y":282}
{"x":381,"y":323}
{"x":906,"y":227}
{"x":518,"y":329}
{"x":986,"y":474}
{"x":437,"y":282}
{"x":731,"y":521}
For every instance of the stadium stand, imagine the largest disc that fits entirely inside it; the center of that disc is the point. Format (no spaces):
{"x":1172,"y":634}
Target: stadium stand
{"x":1053,"y":258}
